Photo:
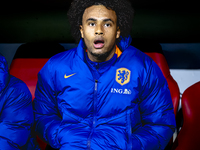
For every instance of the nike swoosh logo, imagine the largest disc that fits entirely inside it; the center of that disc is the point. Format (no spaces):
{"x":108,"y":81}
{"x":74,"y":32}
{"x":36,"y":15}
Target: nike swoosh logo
{"x":65,"y":76}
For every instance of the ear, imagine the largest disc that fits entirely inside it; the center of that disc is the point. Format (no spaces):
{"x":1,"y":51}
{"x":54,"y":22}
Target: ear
{"x":118,"y":33}
{"x":81,"y":30}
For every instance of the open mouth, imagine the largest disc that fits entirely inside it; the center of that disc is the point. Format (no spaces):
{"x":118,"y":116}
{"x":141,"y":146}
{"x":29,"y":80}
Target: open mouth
{"x":98,"y":43}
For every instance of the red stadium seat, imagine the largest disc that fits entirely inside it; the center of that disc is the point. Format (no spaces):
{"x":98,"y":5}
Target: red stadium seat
{"x":154,"y":50}
{"x":160,"y":60}
{"x":188,"y":137}
{"x":27,"y":69}
{"x":172,"y":84}
{"x":28,"y":61}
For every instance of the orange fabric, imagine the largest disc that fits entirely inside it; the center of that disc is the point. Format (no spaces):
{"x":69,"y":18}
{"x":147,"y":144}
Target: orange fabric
{"x":118,"y":52}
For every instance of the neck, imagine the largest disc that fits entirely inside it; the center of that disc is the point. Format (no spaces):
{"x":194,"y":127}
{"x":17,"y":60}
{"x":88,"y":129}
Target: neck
{"x":101,"y":57}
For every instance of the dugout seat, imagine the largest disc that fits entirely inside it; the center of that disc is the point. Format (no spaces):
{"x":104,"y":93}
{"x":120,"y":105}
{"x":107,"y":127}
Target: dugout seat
{"x":28,"y":61}
{"x":188,"y":137}
{"x":160,"y":60}
{"x":154,"y":50}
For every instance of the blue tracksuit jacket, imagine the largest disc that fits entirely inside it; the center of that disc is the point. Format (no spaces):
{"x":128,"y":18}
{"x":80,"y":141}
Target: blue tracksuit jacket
{"x":16,"y":112}
{"x":128,"y":107}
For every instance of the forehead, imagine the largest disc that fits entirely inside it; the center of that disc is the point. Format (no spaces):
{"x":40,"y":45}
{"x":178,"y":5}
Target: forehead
{"x":99,"y":12}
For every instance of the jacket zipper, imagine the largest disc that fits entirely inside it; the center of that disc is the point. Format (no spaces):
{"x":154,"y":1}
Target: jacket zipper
{"x":94,"y":115}
{"x":95,"y":103}
{"x":129,"y":130}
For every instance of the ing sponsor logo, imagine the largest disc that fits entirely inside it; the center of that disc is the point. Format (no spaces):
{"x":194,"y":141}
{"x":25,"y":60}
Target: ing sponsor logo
{"x":121,"y":91}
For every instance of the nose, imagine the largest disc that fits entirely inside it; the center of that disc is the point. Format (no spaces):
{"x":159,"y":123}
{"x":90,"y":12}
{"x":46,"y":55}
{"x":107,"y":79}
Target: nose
{"x":99,"y":30}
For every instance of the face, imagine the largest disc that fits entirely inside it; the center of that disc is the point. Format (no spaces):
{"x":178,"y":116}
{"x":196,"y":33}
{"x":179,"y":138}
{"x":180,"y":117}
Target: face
{"x":99,"y":31}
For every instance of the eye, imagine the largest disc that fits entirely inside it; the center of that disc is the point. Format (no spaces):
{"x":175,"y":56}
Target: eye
{"x":107,"y":25}
{"x":91,"y":24}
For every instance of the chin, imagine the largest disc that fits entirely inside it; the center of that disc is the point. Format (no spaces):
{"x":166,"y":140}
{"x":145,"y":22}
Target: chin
{"x":101,"y":56}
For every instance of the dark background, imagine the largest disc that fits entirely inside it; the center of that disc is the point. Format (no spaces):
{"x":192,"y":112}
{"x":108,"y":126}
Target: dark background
{"x":165,"y":21}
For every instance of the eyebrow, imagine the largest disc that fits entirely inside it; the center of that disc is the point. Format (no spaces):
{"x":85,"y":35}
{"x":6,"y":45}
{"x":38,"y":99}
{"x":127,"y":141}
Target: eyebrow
{"x":105,"y":20}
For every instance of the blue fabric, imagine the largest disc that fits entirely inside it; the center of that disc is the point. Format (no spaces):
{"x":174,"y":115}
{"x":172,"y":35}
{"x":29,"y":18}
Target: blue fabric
{"x":124,"y":42}
{"x":16,"y":115}
{"x":4,"y":75}
{"x":98,"y":68}
{"x":128,"y":107}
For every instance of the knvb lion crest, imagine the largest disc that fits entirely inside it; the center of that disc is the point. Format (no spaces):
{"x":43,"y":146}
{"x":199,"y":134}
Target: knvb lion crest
{"x":123,"y":76}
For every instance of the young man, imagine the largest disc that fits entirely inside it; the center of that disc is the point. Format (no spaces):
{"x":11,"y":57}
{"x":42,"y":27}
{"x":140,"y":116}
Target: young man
{"x":16,"y":115}
{"x":104,"y":94}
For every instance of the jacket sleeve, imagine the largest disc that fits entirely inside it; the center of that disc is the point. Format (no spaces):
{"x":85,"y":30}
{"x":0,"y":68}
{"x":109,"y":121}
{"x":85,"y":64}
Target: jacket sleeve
{"x":157,"y":115}
{"x":16,"y":116}
{"x":47,"y":115}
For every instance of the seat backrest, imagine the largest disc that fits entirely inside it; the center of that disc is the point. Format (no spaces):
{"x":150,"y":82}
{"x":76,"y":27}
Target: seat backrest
{"x":160,"y":60}
{"x":188,"y":137}
{"x":27,"y":69}
{"x":28,"y":61}
{"x":154,"y":50}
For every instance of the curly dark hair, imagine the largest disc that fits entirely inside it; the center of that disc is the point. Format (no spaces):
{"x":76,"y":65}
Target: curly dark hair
{"x":122,"y":8}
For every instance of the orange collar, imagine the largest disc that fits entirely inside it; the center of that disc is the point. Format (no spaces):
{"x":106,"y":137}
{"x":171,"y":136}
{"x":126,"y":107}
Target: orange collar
{"x":117,"y":51}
